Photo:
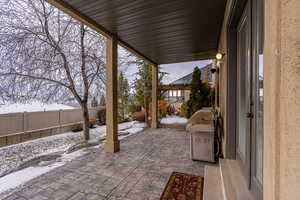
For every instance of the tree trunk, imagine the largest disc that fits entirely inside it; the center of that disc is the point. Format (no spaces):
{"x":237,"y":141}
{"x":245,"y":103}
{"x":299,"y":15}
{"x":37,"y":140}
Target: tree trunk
{"x":146,"y":106}
{"x":147,"y":113}
{"x":86,"y":121}
{"x":123,"y":111}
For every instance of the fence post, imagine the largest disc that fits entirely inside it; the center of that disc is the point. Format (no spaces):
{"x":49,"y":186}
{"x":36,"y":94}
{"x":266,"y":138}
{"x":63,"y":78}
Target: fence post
{"x":59,"y":120}
{"x":24,"y":122}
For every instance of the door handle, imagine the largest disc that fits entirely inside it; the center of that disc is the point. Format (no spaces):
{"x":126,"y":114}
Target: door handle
{"x":250,"y":115}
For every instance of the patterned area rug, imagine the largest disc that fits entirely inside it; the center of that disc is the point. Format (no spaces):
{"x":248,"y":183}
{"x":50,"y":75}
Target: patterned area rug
{"x":183,"y":186}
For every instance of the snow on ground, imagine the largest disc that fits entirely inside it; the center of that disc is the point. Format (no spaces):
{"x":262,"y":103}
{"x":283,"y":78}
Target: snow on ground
{"x":34,"y":106}
{"x":174,"y":120}
{"x":11,"y":157}
{"x":18,"y":178}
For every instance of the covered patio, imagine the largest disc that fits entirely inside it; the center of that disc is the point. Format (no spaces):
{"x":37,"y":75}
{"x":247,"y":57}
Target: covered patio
{"x":139,"y":171}
{"x":257,"y":42}
{"x":157,"y":32}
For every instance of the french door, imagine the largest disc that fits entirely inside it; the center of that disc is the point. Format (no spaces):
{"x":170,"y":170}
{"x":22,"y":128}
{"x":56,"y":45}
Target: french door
{"x":257,"y":98}
{"x":249,"y":110}
{"x":244,"y":92}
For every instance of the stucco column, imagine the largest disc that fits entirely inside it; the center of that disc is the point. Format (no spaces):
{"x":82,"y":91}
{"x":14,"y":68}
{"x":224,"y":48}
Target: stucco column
{"x":112,"y":142}
{"x":154,"y":123}
{"x":282,"y":100}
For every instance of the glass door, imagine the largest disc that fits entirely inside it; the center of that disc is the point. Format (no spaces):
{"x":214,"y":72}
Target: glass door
{"x":244,"y":92}
{"x":258,"y":97}
{"x":248,"y":37}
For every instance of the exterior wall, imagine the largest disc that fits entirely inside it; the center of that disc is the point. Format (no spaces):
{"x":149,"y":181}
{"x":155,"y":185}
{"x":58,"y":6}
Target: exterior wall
{"x":223,"y":77}
{"x":187,"y":95}
{"x":282,"y":100}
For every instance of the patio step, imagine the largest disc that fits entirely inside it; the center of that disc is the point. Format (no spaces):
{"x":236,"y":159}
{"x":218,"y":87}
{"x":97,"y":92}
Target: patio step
{"x":235,"y":186}
{"x":212,"y":189}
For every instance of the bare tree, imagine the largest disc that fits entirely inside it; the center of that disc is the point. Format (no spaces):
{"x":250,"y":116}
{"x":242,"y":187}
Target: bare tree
{"x":48,"y":55}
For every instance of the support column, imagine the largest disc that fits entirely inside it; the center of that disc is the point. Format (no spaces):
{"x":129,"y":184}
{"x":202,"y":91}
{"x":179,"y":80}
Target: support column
{"x":112,"y":142}
{"x":154,"y":123}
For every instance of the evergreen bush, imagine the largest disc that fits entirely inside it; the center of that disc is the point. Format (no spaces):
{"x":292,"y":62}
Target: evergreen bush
{"x":200,"y":94}
{"x":183,"y":109}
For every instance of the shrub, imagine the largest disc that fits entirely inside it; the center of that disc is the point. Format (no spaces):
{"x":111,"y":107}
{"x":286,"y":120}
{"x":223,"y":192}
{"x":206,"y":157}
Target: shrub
{"x":102,"y":115}
{"x":77,"y":127}
{"x":134,"y":108}
{"x":162,"y":108}
{"x":93,"y":122}
{"x":183,"y":110}
{"x":138,"y":116}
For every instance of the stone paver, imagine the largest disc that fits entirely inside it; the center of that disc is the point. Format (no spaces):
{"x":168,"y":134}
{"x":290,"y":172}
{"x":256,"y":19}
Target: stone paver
{"x":138,"y":172}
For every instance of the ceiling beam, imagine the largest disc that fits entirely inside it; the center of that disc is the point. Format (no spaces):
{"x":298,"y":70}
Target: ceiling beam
{"x":135,"y":52}
{"x":174,"y":87}
{"x":67,"y":8}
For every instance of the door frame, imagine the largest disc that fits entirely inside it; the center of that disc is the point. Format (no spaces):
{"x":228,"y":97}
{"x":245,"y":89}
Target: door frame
{"x":231,"y":122}
{"x":245,"y":22}
{"x":235,"y":15}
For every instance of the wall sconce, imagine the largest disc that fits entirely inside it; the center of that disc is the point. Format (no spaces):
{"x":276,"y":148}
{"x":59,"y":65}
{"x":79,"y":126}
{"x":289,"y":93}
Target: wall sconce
{"x":219,"y":56}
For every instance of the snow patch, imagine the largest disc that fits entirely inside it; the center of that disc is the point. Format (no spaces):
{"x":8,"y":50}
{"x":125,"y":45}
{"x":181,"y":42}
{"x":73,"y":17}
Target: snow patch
{"x":19,"y":178}
{"x":34,"y":106}
{"x":134,"y":130}
{"x":174,"y":120}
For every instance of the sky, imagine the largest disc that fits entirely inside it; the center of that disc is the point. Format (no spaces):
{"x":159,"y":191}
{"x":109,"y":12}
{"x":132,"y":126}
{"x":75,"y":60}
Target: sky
{"x":178,"y":70}
{"x":175,"y":70}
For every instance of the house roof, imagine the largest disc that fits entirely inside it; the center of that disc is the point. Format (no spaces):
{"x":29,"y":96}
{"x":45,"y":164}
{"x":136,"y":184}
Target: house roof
{"x":162,"y":31}
{"x":187,"y":79}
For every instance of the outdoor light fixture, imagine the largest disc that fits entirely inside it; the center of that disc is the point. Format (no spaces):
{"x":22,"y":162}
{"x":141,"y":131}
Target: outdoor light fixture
{"x":219,"y":56}
{"x":213,"y":69}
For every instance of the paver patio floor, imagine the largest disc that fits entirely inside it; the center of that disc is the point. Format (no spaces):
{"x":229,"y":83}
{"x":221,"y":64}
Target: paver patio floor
{"x":138,"y":172}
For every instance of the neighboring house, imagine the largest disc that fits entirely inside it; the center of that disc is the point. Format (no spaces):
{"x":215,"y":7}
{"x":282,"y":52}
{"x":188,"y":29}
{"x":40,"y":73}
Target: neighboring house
{"x":179,"y":90}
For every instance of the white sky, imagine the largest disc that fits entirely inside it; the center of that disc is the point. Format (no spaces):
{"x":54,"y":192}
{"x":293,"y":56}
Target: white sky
{"x":175,"y":70}
{"x":178,"y":70}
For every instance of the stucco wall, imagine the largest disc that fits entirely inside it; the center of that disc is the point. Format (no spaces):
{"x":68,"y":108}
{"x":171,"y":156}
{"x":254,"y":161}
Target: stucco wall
{"x":282,"y":100}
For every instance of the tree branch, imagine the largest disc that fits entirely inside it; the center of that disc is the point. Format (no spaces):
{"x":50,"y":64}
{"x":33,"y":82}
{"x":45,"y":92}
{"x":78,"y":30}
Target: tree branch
{"x":35,"y":77}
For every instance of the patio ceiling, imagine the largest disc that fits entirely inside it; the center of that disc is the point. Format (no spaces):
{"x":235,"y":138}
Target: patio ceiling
{"x":161,"y":31}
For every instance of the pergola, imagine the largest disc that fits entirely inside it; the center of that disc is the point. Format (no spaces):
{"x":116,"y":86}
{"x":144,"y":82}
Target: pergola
{"x":158,"y":31}
{"x":174,"y":87}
